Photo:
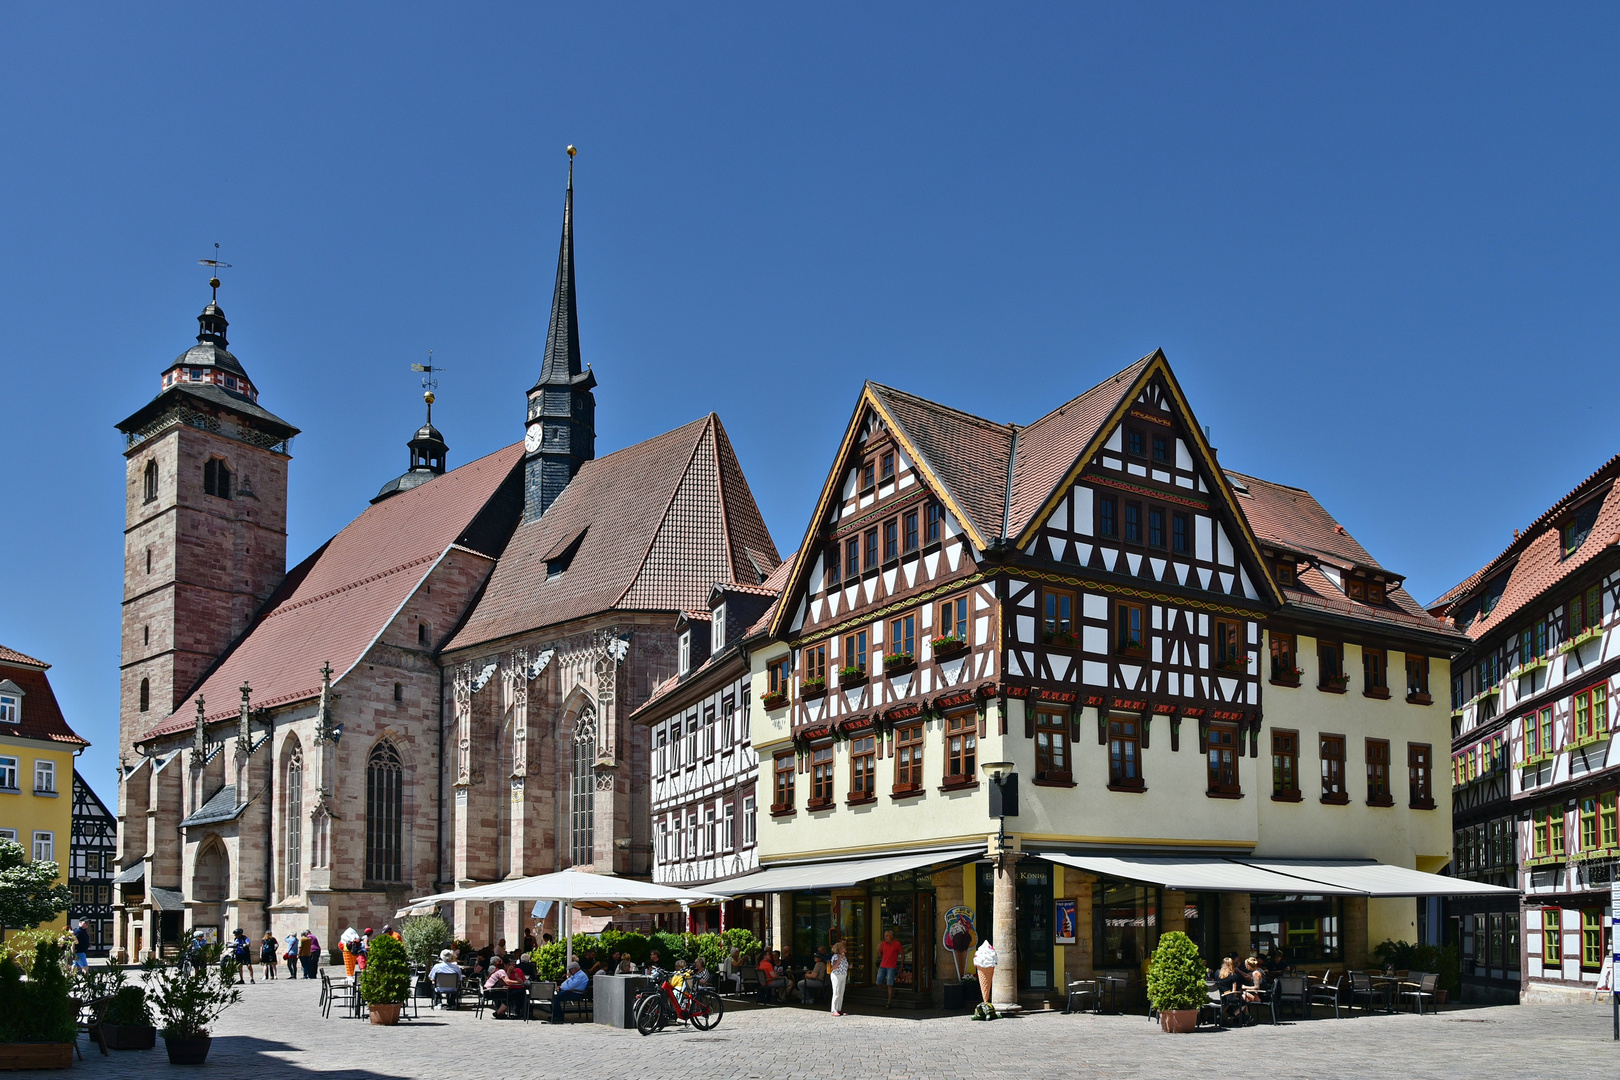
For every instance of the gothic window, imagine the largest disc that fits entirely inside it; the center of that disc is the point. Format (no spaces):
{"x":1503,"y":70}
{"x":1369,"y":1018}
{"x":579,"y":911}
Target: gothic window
{"x":292,"y":825}
{"x":583,"y":794}
{"x":385,"y":812}
{"x":146,"y":694}
{"x":151,"y":478}
{"x":217,"y":479}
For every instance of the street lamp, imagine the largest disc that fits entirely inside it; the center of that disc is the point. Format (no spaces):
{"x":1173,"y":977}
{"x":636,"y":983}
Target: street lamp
{"x":1003,"y":799}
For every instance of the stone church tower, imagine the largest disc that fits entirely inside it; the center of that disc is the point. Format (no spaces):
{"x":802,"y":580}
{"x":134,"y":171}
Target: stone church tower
{"x":205,"y":524}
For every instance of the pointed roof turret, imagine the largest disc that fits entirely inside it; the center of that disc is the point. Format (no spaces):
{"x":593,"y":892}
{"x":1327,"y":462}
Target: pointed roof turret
{"x":562,"y":364}
{"x":428,"y":454}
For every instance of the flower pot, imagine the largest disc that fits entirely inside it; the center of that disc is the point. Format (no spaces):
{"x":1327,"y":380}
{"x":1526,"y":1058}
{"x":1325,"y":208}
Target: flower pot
{"x":36,"y":1055}
{"x":193,"y":1051}
{"x":128,"y":1036}
{"x":1178,"y":1021}
{"x":385,"y":1014}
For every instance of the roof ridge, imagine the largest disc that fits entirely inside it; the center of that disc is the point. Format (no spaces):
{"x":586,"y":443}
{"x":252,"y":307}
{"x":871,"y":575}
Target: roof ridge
{"x":674,"y":492}
{"x":942,"y":407}
{"x":12,"y":656}
{"x":351,"y":585}
{"x":1115,"y":377}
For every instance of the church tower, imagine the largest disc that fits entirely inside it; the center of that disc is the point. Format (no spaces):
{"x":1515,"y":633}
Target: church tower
{"x":561,"y":434}
{"x":205,"y":523}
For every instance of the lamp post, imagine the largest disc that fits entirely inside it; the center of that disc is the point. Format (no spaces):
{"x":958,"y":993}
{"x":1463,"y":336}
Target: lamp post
{"x":1004,"y":804}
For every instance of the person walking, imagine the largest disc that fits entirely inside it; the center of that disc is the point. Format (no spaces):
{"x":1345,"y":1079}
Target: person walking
{"x":290,"y":954}
{"x":81,"y":947}
{"x":267,"y":954}
{"x":305,"y":960}
{"x":242,"y":953}
{"x":889,"y":950}
{"x":838,"y":975}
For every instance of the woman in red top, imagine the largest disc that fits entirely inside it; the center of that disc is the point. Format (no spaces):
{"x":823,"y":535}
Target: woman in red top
{"x":889,"y":951}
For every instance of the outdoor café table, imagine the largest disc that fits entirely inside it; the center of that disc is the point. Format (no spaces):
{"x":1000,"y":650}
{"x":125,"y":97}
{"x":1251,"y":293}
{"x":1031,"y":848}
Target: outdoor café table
{"x":1110,"y":985}
{"x":1390,"y":984}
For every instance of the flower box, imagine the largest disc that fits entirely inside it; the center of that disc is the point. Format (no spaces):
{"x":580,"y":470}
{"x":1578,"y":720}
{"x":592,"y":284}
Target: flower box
{"x":1237,"y":664}
{"x":851,"y":677}
{"x":1060,"y":639}
{"x":1419,"y":698}
{"x":898,"y":663}
{"x":1286,"y":678}
{"x":774,"y":701}
{"x":1376,"y":692}
{"x":811,"y":689}
{"x":948,"y":648}
{"x":1581,"y":638}
{"x":1132,"y":648}
{"x":36,"y":1055}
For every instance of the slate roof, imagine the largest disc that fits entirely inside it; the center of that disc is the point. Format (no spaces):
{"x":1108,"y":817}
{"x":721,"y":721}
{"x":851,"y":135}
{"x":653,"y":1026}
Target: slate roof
{"x":207,"y":394}
{"x":1535,"y":561}
{"x":41,"y":715}
{"x":221,"y":806}
{"x":1291,"y":519}
{"x":658,"y":523}
{"x":332,"y":606}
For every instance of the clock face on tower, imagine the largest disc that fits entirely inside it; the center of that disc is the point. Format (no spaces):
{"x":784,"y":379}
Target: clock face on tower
{"x":532,"y":438}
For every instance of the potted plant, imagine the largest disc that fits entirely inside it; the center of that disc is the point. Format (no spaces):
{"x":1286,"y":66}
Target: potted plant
{"x":813,"y":688}
{"x":949,"y":647}
{"x":127,"y":1023}
{"x":851,"y":676}
{"x":898,"y":663}
{"x":386,"y":980}
{"x":38,"y":1020}
{"x":774,"y":701}
{"x":187,"y":1001}
{"x":1336,"y":682}
{"x":1175,"y":982}
{"x":1063,"y":639}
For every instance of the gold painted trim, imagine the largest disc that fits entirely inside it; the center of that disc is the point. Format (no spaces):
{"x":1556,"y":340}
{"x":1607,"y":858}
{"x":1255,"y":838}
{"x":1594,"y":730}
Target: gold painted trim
{"x":809,"y":858}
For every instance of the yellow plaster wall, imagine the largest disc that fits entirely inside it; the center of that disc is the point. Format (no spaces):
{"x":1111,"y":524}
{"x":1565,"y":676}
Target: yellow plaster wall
{"x":25,"y":811}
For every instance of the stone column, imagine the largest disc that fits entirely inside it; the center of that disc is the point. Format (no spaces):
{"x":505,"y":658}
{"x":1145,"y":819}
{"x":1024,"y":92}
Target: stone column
{"x":1004,"y":986}
{"x":1236,"y":931}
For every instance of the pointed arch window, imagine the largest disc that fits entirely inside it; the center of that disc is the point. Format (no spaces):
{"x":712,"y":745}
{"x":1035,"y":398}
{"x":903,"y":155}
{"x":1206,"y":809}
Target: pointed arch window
{"x":150,"y":482}
{"x":292,"y":824}
{"x":582,"y":817}
{"x":385,"y":811}
{"x":217,"y":479}
{"x":146,"y":694}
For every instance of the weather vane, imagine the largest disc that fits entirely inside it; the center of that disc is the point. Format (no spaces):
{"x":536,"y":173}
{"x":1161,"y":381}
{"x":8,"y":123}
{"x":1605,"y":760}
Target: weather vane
{"x":216,"y":266}
{"x":429,"y":382}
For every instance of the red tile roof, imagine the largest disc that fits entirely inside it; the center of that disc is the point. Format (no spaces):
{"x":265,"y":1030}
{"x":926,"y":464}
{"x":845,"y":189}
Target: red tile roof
{"x":967,"y":453}
{"x":40,"y":716}
{"x":335,"y":603}
{"x":1291,"y":519}
{"x":1535,"y":562}
{"x":663,"y":521}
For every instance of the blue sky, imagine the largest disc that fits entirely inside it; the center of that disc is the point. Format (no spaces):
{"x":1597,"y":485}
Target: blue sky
{"x":1377,"y":243}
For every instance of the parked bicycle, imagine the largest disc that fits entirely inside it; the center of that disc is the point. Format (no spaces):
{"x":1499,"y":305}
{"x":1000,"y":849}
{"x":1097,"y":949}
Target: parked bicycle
{"x":672,"y":997}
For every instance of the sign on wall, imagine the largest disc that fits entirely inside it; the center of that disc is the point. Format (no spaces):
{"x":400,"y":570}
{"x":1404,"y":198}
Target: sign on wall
{"x":1065,"y":922}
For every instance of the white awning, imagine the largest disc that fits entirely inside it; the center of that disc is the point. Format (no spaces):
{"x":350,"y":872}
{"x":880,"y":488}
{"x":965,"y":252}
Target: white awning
{"x":587,"y":891}
{"x":1196,"y":874}
{"x":1379,"y":879}
{"x":838,"y":875}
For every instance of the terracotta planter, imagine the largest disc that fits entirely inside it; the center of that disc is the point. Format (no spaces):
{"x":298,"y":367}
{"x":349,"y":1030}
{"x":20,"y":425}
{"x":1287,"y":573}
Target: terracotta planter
{"x":36,"y":1055}
{"x":385,"y":1014}
{"x":188,"y":1051}
{"x":1178,"y":1021}
{"x":128,"y":1036}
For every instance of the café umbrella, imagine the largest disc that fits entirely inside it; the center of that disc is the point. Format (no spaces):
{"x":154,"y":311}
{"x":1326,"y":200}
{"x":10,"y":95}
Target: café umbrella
{"x":595,"y":894}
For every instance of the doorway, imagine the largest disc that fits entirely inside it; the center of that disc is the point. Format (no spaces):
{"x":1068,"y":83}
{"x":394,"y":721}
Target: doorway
{"x":1035,"y":927}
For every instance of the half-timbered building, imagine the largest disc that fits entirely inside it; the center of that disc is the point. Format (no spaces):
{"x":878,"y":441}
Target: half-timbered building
{"x":92,"y":863}
{"x":1533,"y":762}
{"x":1071,"y":616}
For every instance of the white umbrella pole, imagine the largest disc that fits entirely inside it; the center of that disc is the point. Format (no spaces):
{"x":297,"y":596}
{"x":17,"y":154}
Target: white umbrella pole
{"x":568,"y":934}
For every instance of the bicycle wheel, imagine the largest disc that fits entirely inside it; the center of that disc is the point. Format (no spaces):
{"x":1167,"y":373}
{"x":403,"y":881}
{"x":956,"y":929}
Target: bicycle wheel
{"x":650,"y":1016}
{"x":707,"y":1009}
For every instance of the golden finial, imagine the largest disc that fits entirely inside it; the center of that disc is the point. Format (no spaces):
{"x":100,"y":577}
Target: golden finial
{"x":428,"y":397}
{"x":571,"y":150}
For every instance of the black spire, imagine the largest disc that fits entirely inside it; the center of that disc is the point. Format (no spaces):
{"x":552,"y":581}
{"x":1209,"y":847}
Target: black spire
{"x":561,"y":433}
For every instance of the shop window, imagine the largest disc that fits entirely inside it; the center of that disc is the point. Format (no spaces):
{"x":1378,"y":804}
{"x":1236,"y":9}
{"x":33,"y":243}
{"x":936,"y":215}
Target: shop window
{"x":862,"y":768}
{"x":1107,"y":516}
{"x":1378,"y":773}
{"x":821,"y":777}
{"x":1552,"y":937}
{"x":783,"y":795}
{"x":961,"y":748}
{"x":1125,"y":925}
{"x":1052,"y":745}
{"x":1125,"y":754}
{"x":1285,"y":765}
{"x":1374,"y":676}
{"x":1282,"y":659}
{"x":1130,"y":628}
{"x":908,"y":758}
{"x":1420,"y":775}
{"x":1058,"y":625}
{"x":1306,"y":929}
{"x":1332,"y":748}
{"x":1222,"y":755}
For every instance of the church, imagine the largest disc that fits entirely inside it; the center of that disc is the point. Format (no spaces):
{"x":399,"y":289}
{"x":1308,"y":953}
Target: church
{"x":439,"y":695}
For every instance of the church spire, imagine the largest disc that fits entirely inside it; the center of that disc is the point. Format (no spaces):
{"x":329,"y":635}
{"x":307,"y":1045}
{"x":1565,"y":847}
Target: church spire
{"x":561,"y":433}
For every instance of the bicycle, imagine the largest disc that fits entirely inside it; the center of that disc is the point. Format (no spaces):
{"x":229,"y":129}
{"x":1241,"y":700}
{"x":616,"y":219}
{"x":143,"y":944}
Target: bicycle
{"x":669,"y":999}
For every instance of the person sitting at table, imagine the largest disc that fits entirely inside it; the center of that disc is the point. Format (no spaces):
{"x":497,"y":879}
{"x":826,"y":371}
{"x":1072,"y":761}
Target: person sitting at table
{"x":811,"y":985}
{"x":1231,"y":984}
{"x":531,"y":970}
{"x":446,"y":966}
{"x":1255,"y":976}
{"x":773,"y":985}
{"x":702,"y":973}
{"x":572,"y":989}
{"x":517,"y":990}
{"x":626,"y":966}
{"x":730,"y":971}
{"x":653,"y":961}
{"x":494,"y":987}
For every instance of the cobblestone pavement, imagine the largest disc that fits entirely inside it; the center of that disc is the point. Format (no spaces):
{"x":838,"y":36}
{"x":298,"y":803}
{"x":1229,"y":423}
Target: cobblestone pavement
{"x":276,"y":1031}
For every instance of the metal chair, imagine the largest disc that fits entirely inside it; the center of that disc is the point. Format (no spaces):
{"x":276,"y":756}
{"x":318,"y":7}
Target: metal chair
{"x":1363,"y":991}
{"x":1292,"y":992}
{"x":1327,"y":992}
{"x":1083,"y":991}
{"x":447,"y":984}
{"x":1422,"y":990}
{"x":540,"y":995}
{"x":343,"y":994}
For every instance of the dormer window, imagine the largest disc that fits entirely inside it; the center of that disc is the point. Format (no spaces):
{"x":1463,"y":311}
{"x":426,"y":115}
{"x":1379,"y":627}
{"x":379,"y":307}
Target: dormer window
{"x":684,"y":662}
{"x":11,"y":696}
{"x":717,"y":635}
{"x":1573,"y":532}
{"x":230,"y":382}
{"x":1375,"y":592}
{"x":1356,"y":589}
{"x":1285,"y":572}
{"x":196,"y":374}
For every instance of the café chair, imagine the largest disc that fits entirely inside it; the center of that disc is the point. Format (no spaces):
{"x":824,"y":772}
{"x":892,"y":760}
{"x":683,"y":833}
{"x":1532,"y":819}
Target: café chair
{"x":1422,"y":990}
{"x":1291,"y":991}
{"x":1083,"y":991}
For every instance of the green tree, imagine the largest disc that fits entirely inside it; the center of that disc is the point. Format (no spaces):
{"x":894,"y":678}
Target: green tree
{"x":424,"y":936}
{"x":29,"y":891}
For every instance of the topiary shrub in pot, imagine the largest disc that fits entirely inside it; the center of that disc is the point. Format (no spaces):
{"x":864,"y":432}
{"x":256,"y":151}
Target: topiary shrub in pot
{"x":1175,"y":982}
{"x":386,"y":981}
{"x":127,"y":1023}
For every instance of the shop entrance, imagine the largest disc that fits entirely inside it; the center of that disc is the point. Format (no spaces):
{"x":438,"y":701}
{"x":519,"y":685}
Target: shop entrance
{"x":812,"y":924}
{"x":1035,"y":927}
{"x":854,"y":929}
{"x":903,"y":906}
